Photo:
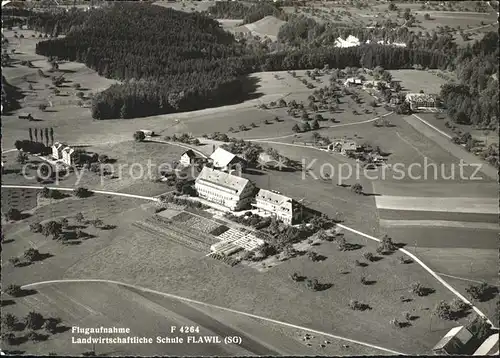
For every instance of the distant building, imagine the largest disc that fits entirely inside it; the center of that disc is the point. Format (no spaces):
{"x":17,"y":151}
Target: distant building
{"x":421,"y":101}
{"x":453,"y":342}
{"x":345,"y":147}
{"x":68,"y":156}
{"x":489,"y":346}
{"x":57,"y":149}
{"x":280,"y":206}
{"x":189,"y":157}
{"x":230,"y":191}
{"x":224,"y":160}
{"x":147,"y":132}
{"x":351,"y":81}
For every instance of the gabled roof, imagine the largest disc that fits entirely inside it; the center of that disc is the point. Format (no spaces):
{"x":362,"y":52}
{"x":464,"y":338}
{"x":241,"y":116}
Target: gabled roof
{"x":68,"y":150}
{"x":276,"y":198}
{"x":222,"y":157}
{"x":190,"y":153}
{"x":489,"y":346}
{"x":222,"y":180}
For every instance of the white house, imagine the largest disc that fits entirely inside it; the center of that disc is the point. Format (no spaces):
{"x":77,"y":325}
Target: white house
{"x":351,"y":81}
{"x":68,"y":156}
{"x":278,"y":205}
{"x":57,"y":149}
{"x":188,"y":158}
{"x":421,"y":101}
{"x":230,"y":191}
{"x":224,"y":160}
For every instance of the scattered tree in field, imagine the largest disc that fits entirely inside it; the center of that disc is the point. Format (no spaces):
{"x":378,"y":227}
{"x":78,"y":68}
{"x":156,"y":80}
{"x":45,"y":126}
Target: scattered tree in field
{"x":79,"y":218}
{"x":8,"y":337}
{"x":305,"y":116}
{"x":82,"y":192}
{"x":50,"y":325}
{"x":314,"y":125}
{"x":342,"y":244}
{"x":396,"y":323}
{"x":357,"y":188}
{"x":243,"y":128}
{"x":477,"y":292}
{"x":296,"y":128}
{"x":139,"y":136}
{"x":22,"y":158}
{"x":34,"y":320}
{"x":295,"y":276}
{"x":42,"y":107}
{"x":14,"y":290}
{"x":97,"y":223}
{"x":14,"y":261}
{"x":386,"y":245}
{"x":418,"y":289}
{"x":427,"y":16}
{"x":368,"y":255}
{"x":13,"y":214}
{"x":312,"y":284}
{"x":459,"y":306}
{"x":31,"y":254}
{"x":64,"y":223}
{"x":443,"y":310}
{"x":9,"y":321}
{"x":52,"y":228}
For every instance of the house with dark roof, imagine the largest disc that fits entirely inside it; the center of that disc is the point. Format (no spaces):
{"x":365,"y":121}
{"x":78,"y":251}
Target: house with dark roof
{"x":189,"y":157}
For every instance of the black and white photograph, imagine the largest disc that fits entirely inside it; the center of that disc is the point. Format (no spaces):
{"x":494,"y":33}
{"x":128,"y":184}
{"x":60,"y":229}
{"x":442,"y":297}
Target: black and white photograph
{"x":250,"y":178}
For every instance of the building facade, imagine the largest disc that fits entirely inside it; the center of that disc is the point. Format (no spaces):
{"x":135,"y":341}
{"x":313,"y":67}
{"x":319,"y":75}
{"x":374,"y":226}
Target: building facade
{"x":57,"y":150}
{"x":188,"y":158}
{"x":278,"y":205}
{"x":68,"y":156}
{"x":421,"y":101}
{"x":218,"y":187}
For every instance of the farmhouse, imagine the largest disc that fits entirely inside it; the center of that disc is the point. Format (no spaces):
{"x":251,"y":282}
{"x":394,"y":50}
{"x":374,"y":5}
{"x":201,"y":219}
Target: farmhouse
{"x":68,"y":156}
{"x":421,"y":101}
{"x":57,"y":149}
{"x":345,"y":147}
{"x":224,"y":160}
{"x":351,"y":81}
{"x":278,"y":205}
{"x":230,"y":191}
{"x":453,"y":342}
{"x":189,"y":157}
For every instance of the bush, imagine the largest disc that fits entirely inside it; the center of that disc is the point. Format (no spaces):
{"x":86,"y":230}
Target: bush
{"x":36,"y":227}
{"x":13,"y":214}
{"x":31,"y":254}
{"x":14,"y":290}
{"x":34,"y":320}
{"x":443,"y":310}
{"x":368,"y":255}
{"x":139,"y":136}
{"x":357,"y":188}
{"x":42,"y":107}
{"x":82,"y":192}
{"x":477,"y":292}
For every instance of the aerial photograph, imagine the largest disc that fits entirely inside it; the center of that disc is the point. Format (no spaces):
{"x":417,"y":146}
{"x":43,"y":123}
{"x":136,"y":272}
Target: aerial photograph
{"x":250,"y":178}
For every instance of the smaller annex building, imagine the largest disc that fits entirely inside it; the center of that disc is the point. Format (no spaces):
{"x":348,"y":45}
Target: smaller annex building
{"x":224,"y":160}
{"x":218,"y":187}
{"x":278,"y":205}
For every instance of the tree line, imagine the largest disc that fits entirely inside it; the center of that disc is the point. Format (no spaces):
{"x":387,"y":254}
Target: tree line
{"x":170,"y":61}
{"x":474,"y":98}
{"x":249,"y":14}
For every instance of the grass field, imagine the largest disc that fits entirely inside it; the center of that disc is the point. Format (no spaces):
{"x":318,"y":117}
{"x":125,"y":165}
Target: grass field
{"x":414,"y":81}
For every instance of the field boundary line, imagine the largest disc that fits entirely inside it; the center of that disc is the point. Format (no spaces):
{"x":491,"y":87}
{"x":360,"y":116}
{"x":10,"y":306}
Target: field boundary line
{"x":428,"y":269}
{"x":432,"y":126}
{"x":326,"y":127}
{"x":464,"y":279}
{"x":150,"y":198}
{"x":180,"y":298}
{"x":177,"y":144}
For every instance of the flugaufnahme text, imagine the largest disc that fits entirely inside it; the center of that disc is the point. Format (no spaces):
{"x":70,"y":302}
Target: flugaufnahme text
{"x":100,"y":330}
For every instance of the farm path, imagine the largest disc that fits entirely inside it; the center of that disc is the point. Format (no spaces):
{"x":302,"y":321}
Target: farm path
{"x":414,"y":257}
{"x":265,"y":140}
{"x":184,"y":299}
